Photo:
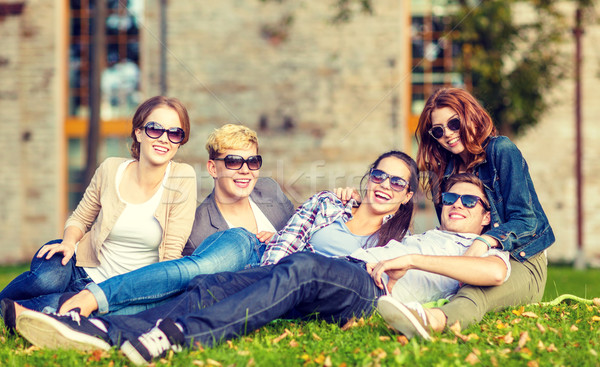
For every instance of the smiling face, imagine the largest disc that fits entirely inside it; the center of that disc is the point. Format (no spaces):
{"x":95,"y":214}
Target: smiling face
{"x":233,"y":185}
{"x":458,"y":218}
{"x":451,"y":140}
{"x":161,"y":150}
{"x":380,"y":198}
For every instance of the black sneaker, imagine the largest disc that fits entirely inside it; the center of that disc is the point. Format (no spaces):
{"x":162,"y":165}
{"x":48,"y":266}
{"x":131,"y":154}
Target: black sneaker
{"x":54,"y":331}
{"x":155,"y":343}
{"x":7,"y":307}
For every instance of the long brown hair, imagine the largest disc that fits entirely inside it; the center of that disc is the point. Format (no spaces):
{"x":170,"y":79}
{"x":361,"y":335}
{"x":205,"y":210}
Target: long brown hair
{"x":145,"y":109}
{"x":398,"y":225}
{"x":475,"y":129}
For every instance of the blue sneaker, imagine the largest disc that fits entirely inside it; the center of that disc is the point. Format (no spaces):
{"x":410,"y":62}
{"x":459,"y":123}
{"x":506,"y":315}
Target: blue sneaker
{"x":53,"y":331}
{"x":155,"y":343}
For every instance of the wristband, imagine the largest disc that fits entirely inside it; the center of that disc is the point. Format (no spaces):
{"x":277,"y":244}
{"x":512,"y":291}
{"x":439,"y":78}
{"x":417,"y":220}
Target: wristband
{"x":489,"y":245}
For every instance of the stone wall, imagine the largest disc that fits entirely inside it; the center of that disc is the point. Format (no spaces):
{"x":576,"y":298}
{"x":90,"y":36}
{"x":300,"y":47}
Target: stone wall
{"x":324,"y":91}
{"x":549,"y":148}
{"x":31,"y":200}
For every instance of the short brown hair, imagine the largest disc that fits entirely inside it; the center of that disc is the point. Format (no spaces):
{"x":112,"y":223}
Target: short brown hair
{"x":467,"y":178}
{"x":145,"y":109}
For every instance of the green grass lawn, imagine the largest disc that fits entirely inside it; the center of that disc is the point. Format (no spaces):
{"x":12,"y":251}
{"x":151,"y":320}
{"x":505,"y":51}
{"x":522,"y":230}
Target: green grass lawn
{"x":566,"y":334}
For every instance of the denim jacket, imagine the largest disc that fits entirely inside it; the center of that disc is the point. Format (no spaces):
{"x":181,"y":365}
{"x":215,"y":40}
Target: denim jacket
{"x":518,"y":220}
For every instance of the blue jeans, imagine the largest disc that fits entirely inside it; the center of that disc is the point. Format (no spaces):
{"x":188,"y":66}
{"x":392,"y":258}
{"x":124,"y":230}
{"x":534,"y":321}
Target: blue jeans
{"x":224,"y":305}
{"x":45,"y":281}
{"x":231,"y":250}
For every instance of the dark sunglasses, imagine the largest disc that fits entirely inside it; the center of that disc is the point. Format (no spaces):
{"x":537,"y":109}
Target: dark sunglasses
{"x":254,"y":162}
{"x":155,"y":130}
{"x":438,"y":130}
{"x":396,"y":183}
{"x":469,"y":201}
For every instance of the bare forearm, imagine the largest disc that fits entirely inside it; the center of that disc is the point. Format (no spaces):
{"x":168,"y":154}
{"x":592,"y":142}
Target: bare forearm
{"x":72,"y":235}
{"x":481,"y":271}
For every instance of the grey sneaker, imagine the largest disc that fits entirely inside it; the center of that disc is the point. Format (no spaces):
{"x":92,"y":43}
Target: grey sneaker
{"x":54,"y":331}
{"x":409,"y":319}
{"x":155,"y":343}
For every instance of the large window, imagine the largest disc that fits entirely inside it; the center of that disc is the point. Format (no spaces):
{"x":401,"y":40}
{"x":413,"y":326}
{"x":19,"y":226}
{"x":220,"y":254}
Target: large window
{"x":433,"y":53}
{"x":119,"y":83}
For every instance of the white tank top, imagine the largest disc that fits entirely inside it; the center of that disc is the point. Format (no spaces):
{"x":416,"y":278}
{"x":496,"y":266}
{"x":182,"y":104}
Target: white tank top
{"x":134,"y":239}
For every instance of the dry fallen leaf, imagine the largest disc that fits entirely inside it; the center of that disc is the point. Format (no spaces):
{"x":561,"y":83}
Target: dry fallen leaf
{"x":378,"y":353}
{"x":515,"y":321}
{"x":327,"y":362}
{"x":596,"y":301}
{"x":540,"y":345}
{"x":244,"y":352}
{"x":508,"y":338}
{"x":540,"y":327}
{"x":198,"y":363}
{"x":530,"y":314}
{"x":494,"y":361}
{"x":384,"y":338}
{"x":573,"y":328}
{"x":212,"y":362}
{"x":251,"y":362}
{"x":320,"y":359}
{"x":472,"y":359}
{"x":533,"y":364}
{"x":523,"y":340}
{"x":456,"y":330}
{"x":552,"y":348}
{"x":316,"y":337}
{"x":349,"y":324}
{"x":403,"y":340}
{"x":285,"y":334}
{"x":294,"y":343}
{"x":519,"y":311}
{"x":595,"y":318}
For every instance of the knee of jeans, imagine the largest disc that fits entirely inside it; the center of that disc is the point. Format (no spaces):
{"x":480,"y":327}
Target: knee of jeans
{"x":304,"y":264}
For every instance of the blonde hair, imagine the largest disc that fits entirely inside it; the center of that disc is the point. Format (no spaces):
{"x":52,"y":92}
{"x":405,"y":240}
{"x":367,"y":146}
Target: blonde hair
{"x":230,"y":136}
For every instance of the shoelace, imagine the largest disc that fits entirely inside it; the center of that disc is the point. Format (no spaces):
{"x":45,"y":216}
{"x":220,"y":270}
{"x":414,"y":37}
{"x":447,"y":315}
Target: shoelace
{"x":415,"y":306}
{"x":75,"y":316}
{"x":155,"y":341}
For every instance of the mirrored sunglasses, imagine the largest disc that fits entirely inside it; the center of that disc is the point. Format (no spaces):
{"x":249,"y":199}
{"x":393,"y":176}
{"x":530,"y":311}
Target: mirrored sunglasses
{"x":469,"y":201}
{"x":438,"y":130}
{"x":396,"y":183}
{"x":232,"y":161}
{"x":154,"y":130}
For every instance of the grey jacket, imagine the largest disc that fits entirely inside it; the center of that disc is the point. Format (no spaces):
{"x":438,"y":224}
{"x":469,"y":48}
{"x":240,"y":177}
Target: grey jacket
{"x":267,"y":195}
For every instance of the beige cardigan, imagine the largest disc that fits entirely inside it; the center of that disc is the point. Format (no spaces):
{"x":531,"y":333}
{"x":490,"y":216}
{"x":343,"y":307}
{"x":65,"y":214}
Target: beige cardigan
{"x":100,"y":208}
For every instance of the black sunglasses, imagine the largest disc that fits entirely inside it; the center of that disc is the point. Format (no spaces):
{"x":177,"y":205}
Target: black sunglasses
{"x":469,"y":201}
{"x":396,"y":183}
{"x":438,"y":130}
{"x":232,"y":161}
{"x":155,"y":130}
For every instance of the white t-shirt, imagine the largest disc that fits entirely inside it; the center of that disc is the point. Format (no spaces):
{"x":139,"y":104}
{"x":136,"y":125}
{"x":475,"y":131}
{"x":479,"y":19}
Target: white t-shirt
{"x":134,"y":239}
{"x":262,"y":222}
{"x":422,"y":286}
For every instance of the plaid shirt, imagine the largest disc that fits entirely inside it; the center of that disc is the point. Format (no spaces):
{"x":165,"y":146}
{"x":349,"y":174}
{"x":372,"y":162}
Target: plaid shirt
{"x":319,"y":211}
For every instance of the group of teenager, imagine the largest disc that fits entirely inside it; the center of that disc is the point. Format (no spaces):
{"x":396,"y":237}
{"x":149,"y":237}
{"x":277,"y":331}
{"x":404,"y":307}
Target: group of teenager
{"x":141,"y":268}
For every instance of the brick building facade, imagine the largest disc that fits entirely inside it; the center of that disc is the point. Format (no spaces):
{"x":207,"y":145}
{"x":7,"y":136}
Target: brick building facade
{"x":325,"y":98}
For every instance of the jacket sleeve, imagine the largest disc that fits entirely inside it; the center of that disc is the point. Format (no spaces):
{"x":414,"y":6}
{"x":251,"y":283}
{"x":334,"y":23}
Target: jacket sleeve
{"x":181,"y":212}
{"x":513,"y":178}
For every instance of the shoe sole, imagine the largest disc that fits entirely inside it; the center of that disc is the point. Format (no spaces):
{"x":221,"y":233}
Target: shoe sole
{"x":134,"y":356}
{"x":401,"y":318}
{"x":44,"y":331}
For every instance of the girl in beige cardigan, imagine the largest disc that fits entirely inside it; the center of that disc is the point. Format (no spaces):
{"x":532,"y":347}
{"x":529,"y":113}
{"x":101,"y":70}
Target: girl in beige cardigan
{"x":134,"y":212}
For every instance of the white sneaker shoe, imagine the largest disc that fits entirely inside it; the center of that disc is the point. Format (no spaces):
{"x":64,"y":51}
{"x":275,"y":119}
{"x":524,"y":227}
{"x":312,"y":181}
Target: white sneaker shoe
{"x":409,"y":319}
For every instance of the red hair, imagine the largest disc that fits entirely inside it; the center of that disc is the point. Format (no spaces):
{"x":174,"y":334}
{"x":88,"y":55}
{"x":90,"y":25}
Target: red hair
{"x":475,"y":128}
